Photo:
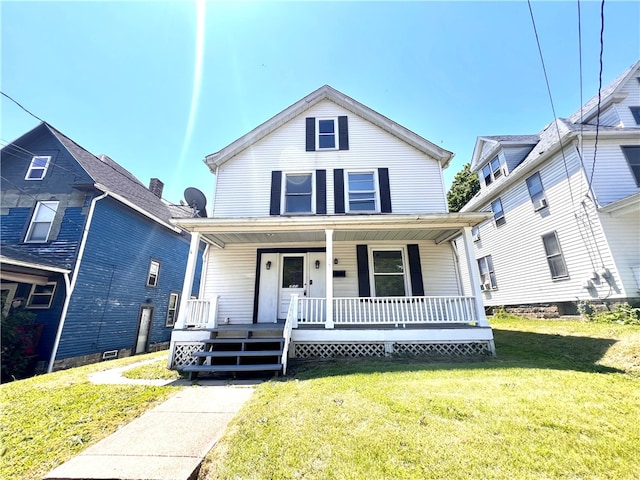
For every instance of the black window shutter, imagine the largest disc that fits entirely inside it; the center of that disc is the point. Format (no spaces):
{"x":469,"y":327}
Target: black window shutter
{"x":362,"y":256}
{"x":311,"y":134}
{"x":321,"y":192}
{"x":415,"y":271}
{"x":343,"y":133}
{"x":338,"y":189}
{"x":385,"y":193}
{"x":276,"y":187}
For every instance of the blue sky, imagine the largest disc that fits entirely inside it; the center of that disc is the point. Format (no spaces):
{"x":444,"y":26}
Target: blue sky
{"x":159,"y":85}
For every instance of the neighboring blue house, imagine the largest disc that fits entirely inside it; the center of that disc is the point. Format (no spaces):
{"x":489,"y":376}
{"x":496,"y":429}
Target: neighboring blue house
{"x":89,"y":249}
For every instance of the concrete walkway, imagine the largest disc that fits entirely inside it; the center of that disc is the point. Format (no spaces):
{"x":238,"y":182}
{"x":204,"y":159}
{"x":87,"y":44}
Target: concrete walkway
{"x":168,"y":442}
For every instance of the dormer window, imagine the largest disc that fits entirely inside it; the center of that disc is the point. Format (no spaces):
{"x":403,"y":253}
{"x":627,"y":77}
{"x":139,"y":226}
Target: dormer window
{"x":38,"y":168}
{"x":328,"y":133}
{"x":491,"y":171}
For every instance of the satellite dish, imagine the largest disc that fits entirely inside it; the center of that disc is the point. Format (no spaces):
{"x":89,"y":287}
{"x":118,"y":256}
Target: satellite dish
{"x":196,"y":200}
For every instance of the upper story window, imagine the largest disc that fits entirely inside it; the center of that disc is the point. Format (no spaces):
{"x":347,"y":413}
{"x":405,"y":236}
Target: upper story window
{"x":635,"y":111}
{"x":152,"y":277}
{"x":498,"y":212}
{"x":172,"y":309}
{"x":298,"y":193}
{"x":536,"y":191}
{"x":487,"y":275}
{"x":491,"y":171}
{"x":389,"y":273}
{"x":555,"y":259}
{"x":475,"y":234}
{"x":41,"y":296}
{"x":362,"y":192}
{"x":38,"y":168}
{"x":41,"y":222}
{"x":632,"y":154}
{"x":329,"y":133}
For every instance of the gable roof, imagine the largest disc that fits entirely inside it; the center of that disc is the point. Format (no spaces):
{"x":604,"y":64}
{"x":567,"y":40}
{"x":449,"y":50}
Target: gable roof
{"x":328,"y":93}
{"x":480,"y":155}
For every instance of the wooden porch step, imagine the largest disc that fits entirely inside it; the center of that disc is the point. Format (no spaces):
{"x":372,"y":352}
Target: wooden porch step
{"x":237,"y":353}
{"x":218,"y":340}
{"x":194,"y":370}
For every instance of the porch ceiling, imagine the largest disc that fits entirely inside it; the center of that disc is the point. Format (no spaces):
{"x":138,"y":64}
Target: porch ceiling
{"x":271,"y":230}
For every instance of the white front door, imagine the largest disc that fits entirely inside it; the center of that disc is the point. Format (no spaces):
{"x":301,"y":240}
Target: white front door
{"x":142,"y":342}
{"x":293,"y":280}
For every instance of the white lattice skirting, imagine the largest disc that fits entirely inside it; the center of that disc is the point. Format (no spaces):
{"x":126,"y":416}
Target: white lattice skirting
{"x":182,"y":353}
{"x":381,"y":349}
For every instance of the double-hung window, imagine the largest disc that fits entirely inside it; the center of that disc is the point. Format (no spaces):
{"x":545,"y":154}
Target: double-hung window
{"x":389,"y":278}
{"x":172,"y":309}
{"x":152,"y":277}
{"x":536,"y":191}
{"x":491,"y":171}
{"x":298,"y":193}
{"x":487,"y":275}
{"x":498,"y":212}
{"x":362,"y":192}
{"x":38,"y":168}
{"x":41,"y":222}
{"x":326,"y":129}
{"x":41,"y":296}
{"x":632,"y":154}
{"x":555,"y":259}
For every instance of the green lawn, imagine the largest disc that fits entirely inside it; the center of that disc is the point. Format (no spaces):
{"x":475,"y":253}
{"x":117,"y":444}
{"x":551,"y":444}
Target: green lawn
{"x":561,"y":400}
{"x":48,"y":419}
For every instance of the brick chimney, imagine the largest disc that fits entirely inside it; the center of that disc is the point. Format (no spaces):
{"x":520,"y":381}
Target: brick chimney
{"x":156,"y":187}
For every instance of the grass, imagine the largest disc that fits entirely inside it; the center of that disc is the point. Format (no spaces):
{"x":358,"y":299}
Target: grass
{"x":48,"y":419}
{"x":561,"y":400}
{"x":152,"y":371}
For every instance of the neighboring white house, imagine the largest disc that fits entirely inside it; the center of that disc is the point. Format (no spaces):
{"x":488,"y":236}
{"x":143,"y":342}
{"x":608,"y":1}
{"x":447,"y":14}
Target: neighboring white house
{"x":330,"y":228}
{"x":566,"y":208}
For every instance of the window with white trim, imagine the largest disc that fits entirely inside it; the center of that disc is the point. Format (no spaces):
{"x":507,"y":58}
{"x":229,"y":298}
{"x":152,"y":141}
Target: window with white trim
{"x":487,"y":275}
{"x":172,"y":309}
{"x":555,"y":258}
{"x":389,"y":273}
{"x":41,"y":222}
{"x":632,"y":154}
{"x":475,"y":234}
{"x":154,"y":271}
{"x":41,"y":296}
{"x":536,"y":191}
{"x":38,"y":167}
{"x":326,"y":133}
{"x":498,"y":212}
{"x":491,"y":171}
{"x":361,"y":192}
{"x":635,"y":111}
{"x":298,"y":193}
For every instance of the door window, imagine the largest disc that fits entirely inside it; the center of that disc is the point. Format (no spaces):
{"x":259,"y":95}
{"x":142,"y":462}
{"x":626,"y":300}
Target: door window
{"x":293,"y":272}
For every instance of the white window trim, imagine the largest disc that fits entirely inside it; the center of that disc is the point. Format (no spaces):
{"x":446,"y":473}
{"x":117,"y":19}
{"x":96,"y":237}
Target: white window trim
{"x":175,"y":309}
{"x":335,"y":132}
{"x":32,"y":168}
{"x":561,"y":255}
{"x":283,"y":199}
{"x":151,"y":264}
{"x":39,"y":205}
{"x":31,"y":295}
{"x":497,"y":219}
{"x":492,"y":285}
{"x":376,"y":186}
{"x":492,"y":174}
{"x":405,"y":273}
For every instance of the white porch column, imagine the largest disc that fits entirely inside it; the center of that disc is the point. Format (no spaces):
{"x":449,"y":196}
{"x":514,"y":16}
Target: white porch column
{"x":474,"y":275}
{"x":329,"y":277}
{"x":187,"y":285}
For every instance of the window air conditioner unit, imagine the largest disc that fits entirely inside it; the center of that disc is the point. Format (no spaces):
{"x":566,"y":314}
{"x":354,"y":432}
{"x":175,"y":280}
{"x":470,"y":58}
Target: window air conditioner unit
{"x":540,"y":204}
{"x":476,"y":237}
{"x":505,"y":172}
{"x":485,"y":286}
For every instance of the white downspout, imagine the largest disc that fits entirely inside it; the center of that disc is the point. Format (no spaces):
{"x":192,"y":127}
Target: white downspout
{"x":70,"y":286}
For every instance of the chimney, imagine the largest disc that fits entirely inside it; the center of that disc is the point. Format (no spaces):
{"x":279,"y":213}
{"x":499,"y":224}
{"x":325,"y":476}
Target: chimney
{"x":156,"y":186}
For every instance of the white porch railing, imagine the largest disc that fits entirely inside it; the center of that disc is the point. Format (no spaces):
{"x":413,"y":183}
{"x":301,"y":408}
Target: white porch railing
{"x":201,"y":313}
{"x":389,"y":310}
{"x":290,"y":323}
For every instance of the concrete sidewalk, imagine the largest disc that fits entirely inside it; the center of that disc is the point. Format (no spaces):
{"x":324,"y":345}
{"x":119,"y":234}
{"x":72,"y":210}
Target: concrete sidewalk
{"x":168,"y":442}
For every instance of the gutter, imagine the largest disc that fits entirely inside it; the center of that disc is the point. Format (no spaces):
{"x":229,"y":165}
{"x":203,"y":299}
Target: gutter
{"x":70,"y":285}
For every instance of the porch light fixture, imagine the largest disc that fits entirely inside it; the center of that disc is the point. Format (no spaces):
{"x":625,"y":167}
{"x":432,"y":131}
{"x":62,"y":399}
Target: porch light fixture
{"x":269,"y":265}
{"x":335,"y":261}
{"x":317,"y":264}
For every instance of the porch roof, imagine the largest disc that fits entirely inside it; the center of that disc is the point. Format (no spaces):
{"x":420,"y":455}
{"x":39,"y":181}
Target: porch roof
{"x":265,"y":230}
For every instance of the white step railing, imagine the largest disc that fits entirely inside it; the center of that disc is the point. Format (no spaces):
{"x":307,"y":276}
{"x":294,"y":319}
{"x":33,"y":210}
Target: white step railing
{"x":389,"y":310}
{"x":202,"y":313}
{"x":290,"y":323}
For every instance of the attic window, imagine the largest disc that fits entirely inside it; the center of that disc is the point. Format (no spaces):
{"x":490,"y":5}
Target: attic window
{"x":491,"y":171}
{"x":327,"y":130}
{"x":635,"y":111}
{"x":327,"y":133}
{"x":38,"y":168}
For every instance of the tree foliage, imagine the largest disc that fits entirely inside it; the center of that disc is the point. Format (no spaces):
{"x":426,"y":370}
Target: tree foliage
{"x":464,"y":186}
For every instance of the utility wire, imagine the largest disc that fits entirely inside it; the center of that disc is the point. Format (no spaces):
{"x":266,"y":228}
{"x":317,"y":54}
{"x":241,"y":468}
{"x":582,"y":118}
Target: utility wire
{"x":595,"y":146}
{"x":23,"y":108}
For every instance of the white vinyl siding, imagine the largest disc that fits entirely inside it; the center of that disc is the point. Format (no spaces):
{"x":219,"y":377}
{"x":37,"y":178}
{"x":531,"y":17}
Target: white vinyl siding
{"x":612,"y":179}
{"x":243,"y":184}
{"x":630,"y":94}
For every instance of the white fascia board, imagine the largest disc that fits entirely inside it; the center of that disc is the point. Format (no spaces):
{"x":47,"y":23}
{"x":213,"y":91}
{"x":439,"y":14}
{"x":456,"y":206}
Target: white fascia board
{"x":37,"y":266}
{"x":620,"y":207}
{"x":135,"y":207}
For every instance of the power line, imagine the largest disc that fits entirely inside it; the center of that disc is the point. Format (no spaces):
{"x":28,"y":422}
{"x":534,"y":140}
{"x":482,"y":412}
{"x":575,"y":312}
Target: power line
{"x":23,"y":108}
{"x":595,"y":146}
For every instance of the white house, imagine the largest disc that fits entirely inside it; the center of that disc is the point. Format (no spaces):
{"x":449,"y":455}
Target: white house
{"x":566,"y":208}
{"x":330,"y":236}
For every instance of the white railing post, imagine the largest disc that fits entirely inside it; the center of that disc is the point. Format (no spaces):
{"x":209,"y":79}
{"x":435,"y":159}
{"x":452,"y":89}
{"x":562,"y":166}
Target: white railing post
{"x":329,"y":277}
{"x":474,"y":276}
{"x":212,"y":317}
{"x":187,"y":285}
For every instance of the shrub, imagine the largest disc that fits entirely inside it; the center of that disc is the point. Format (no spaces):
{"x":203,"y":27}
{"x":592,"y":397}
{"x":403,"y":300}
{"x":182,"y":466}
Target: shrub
{"x":623,"y":314}
{"x":18,"y":344}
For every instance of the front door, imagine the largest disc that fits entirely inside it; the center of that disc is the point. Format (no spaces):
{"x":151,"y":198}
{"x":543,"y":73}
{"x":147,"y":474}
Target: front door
{"x":144,"y":327}
{"x":293,"y":280}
